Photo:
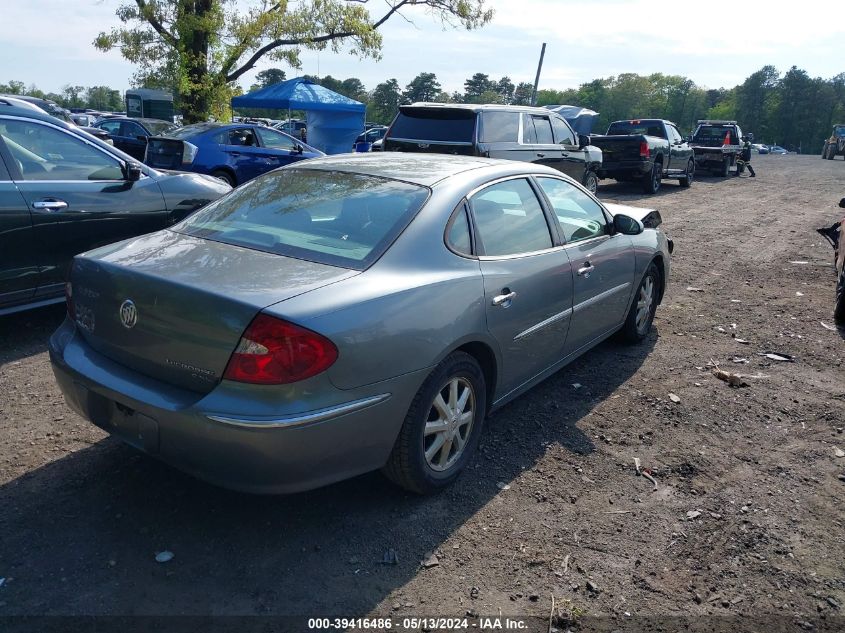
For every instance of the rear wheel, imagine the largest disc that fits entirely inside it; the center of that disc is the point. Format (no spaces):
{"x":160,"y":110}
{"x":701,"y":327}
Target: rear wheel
{"x":641,"y":314}
{"x":726,"y":168}
{"x":651,"y":181}
{"x":686,"y":179}
{"x":225,"y":176}
{"x":591,"y":181}
{"x":442,"y":428}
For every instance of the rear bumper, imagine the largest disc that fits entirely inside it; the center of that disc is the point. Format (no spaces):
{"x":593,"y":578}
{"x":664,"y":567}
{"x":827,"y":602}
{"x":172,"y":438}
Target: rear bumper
{"x":624,"y":168}
{"x":349,"y":433}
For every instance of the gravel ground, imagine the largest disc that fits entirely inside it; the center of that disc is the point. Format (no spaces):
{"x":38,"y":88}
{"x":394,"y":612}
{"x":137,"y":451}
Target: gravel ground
{"x":747,"y":518}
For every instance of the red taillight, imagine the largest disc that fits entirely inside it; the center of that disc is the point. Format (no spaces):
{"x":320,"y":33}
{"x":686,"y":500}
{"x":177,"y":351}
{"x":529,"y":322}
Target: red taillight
{"x":644,"y":151}
{"x":275,"y":352}
{"x":71,"y":310}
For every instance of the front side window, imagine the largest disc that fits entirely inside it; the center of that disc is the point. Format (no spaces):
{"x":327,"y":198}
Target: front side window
{"x":563,"y":133}
{"x":274,"y":140}
{"x":45,"y":153}
{"x":331,"y":217}
{"x":579,"y":215}
{"x":130,"y":128}
{"x":509,"y":219}
{"x":543,"y":127}
{"x":242,"y":136}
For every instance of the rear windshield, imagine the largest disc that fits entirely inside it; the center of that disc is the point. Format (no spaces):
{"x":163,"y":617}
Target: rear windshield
{"x":191,"y":130}
{"x":708,"y":133}
{"x":330,"y":217}
{"x":649,"y":128}
{"x":839,"y":131}
{"x":158,"y":128}
{"x":455,"y":126}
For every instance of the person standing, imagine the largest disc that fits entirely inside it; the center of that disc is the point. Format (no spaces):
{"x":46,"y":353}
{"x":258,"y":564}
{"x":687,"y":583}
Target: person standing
{"x":744,"y":161}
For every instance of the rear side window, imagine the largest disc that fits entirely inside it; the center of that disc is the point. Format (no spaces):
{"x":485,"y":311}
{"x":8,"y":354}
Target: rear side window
{"x":436,"y":124}
{"x":336,"y":218}
{"x":509,"y":219}
{"x":499,"y":127}
{"x":458,"y":236}
{"x":543,"y":127}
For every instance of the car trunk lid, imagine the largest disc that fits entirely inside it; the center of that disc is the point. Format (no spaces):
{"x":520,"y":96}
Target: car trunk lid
{"x":164,"y":153}
{"x":174,"y":307}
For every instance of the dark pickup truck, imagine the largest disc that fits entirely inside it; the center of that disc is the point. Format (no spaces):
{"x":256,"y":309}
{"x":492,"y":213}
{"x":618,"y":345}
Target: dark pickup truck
{"x":645,"y":150}
{"x":717,"y":146}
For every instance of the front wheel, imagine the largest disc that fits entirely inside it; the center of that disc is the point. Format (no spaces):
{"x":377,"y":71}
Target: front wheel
{"x":651,"y":181}
{"x":686,"y":179}
{"x":591,"y":182}
{"x":641,"y":314}
{"x":442,"y":428}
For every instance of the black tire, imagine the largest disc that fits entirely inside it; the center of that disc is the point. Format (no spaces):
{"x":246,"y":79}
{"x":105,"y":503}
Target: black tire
{"x":689,"y":174}
{"x":651,"y":181}
{"x":824,"y":151}
{"x":225,"y":176}
{"x":725,"y":170}
{"x":636,"y":330}
{"x":839,"y":308}
{"x":591,"y":181}
{"x":407,"y":465}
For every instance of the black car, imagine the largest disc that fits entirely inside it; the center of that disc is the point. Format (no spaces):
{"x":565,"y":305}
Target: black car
{"x":63,"y":192}
{"x":130,"y":135}
{"x":534,"y":135}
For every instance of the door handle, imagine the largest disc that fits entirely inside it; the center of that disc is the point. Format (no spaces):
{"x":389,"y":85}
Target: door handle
{"x":504,"y":300}
{"x":541,"y":154}
{"x":586,"y":269}
{"x":49,"y":205}
{"x":235,"y":153}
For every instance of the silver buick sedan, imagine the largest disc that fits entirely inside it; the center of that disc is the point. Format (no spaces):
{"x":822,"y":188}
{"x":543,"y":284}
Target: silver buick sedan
{"x":351,"y":313}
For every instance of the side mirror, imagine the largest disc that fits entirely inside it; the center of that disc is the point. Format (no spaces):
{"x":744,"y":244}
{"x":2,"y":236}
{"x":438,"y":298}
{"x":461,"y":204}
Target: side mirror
{"x":842,"y":203}
{"x":583,"y":140}
{"x":627,"y":225}
{"x":133,"y":172}
{"x":141,"y":138}
{"x":298,"y":148}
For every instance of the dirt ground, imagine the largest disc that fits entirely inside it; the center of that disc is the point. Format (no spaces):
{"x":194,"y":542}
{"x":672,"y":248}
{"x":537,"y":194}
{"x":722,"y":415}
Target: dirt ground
{"x":747,"y":519}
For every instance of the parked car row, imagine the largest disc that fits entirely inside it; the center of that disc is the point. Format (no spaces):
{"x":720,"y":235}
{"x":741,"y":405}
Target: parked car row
{"x":63,"y":192}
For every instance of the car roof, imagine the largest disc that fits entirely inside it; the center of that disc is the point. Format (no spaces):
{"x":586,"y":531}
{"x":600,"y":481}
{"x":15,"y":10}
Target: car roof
{"x":18,"y":106}
{"x":421,"y":169}
{"x":477,"y":107}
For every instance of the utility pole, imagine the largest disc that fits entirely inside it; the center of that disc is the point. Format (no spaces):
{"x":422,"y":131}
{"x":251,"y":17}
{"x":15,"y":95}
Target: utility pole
{"x":537,"y":78}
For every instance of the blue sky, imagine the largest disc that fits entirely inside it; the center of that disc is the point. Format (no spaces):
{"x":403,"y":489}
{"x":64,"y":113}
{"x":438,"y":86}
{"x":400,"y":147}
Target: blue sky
{"x":48,"y":43}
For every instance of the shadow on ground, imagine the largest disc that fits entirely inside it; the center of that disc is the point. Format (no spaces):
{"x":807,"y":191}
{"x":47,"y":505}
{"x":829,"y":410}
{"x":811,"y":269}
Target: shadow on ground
{"x":79,"y":535}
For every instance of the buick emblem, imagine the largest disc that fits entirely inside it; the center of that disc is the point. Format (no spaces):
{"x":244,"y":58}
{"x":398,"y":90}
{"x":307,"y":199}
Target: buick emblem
{"x":423,"y":145}
{"x":128,"y":314}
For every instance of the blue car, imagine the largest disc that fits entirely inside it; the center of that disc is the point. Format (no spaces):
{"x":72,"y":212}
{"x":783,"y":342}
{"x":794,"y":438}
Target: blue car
{"x":234,"y":153}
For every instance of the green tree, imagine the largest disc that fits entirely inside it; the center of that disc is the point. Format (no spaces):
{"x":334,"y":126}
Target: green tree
{"x":505,"y":89}
{"x":384,"y":101}
{"x":522,"y":93}
{"x":354,"y":89}
{"x":212,"y":43}
{"x":72,"y":96}
{"x":103,"y":98}
{"x":476,"y":86}
{"x":423,"y":87}
{"x":270,"y":77}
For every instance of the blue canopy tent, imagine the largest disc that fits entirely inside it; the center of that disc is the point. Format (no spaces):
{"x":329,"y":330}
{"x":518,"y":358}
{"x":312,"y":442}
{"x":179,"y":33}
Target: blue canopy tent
{"x":334,"y":121}
{"x":581,"y":119}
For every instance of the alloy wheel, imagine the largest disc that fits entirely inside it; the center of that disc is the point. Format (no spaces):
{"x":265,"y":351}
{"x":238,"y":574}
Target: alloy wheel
{"x":449,"y":424}
{"x":644,"y":303}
